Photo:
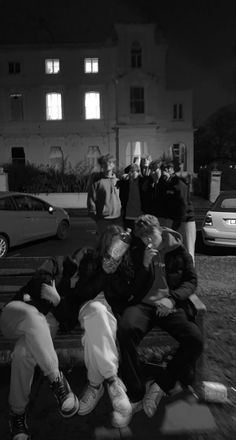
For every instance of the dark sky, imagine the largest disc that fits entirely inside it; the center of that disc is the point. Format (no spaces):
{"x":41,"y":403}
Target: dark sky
{"x":201,"y":35}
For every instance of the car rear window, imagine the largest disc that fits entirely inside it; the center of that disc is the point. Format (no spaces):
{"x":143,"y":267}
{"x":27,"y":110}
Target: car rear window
{"x":225,"y":204}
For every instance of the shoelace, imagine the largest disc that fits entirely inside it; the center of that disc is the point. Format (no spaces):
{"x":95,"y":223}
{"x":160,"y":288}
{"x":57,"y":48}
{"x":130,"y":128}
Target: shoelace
{"x":60,"y":389}
{"x":18,"y":423}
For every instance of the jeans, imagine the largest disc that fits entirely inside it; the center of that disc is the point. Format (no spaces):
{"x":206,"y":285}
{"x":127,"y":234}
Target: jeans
{"x":31,"y":332}
{"x":99,"y":341}
{"x":134,"y":324}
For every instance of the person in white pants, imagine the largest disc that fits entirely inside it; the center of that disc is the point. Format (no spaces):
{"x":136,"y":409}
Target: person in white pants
{"x":22,"y":322}
{"x":101,"y":359}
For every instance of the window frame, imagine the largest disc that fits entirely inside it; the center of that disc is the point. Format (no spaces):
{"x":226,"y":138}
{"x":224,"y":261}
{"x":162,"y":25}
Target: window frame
{"x":95,"y":92}
{"x":53,"y":61}
{"x":136,"y":55}
{"x":47,"y":107}
{"x":92,"y":61}
{"x":137,"y":101}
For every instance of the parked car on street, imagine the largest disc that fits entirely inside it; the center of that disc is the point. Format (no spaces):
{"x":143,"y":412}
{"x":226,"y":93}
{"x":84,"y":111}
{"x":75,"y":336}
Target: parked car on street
{"x":219,"y":225}
{"x":25,"y":218}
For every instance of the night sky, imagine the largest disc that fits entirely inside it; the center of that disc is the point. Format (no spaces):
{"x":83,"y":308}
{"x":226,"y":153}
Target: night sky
{"x":201,"y":35}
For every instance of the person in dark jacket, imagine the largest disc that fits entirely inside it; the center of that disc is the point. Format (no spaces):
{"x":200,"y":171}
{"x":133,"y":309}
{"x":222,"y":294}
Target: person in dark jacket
{"x":174,"y":206}
{"x":29,"y":322}
{"x":166,"y":280}
{"x":131,"y":195}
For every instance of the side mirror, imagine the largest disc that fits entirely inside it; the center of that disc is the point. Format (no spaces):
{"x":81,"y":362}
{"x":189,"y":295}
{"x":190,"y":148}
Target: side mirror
{"x":50,"y":209}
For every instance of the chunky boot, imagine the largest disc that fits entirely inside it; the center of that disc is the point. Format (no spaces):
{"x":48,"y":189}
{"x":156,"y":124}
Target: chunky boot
{"x":68,"y":403}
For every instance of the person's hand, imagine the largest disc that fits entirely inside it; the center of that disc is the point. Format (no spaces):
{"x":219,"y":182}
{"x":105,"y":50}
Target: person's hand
{"x":149,"y":253}
{"x":50,"y":293}
{"x":79,"y":254}
{"x":163,"y":311}
{"x":165,"y":306}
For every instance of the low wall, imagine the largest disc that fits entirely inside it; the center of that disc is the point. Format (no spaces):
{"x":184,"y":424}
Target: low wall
{"x":65,"y":200}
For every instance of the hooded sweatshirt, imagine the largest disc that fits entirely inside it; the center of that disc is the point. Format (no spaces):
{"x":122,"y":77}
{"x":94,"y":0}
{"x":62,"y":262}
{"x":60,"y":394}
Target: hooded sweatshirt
{"x":103,"y":198}
{"x":170,"y":241}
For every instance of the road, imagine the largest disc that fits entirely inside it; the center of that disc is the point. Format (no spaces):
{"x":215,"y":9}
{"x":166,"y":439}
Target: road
{"x":83,"y":234}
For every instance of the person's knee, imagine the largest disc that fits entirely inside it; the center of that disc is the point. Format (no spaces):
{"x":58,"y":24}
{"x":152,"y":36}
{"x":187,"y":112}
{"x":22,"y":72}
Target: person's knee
{"x":96,"y":308}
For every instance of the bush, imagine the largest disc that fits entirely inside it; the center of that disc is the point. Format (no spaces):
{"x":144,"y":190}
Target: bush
{"x":32,"y":179}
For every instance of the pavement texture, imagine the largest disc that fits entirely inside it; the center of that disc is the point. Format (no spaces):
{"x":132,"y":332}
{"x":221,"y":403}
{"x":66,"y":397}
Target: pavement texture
{"x":179,"y":417}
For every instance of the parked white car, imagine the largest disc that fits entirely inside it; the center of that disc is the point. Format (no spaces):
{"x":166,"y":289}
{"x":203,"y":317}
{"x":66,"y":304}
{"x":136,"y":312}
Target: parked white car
{"x":25,"y":218}
{"x":219,"y":226}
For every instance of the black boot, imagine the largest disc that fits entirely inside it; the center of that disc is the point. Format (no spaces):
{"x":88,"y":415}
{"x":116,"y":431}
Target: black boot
{"x":68,"y":403}
{"x":18,"y":426}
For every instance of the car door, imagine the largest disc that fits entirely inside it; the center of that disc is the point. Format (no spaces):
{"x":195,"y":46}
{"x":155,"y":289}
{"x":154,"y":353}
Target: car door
{"x":43,"y":219}
{"x":12,"y":222}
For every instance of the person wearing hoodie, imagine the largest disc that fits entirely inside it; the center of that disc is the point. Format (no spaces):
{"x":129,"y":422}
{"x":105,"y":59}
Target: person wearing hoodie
{"x":103,"y":201}
{"x":166,"y":280}
{"x":175,"y":206}
{"x":29,"y":321}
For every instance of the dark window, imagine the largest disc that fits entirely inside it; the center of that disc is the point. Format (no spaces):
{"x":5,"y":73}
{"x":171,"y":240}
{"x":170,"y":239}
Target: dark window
{"x":13,"y":67}
{"x":18,"y":155}
{"x":136,"y":55}
{"x":136,"y":100}
{"x":178,"y":111}
{"x":37,"y":205}
{"x":22,"y":203}
{"x":6,"y":204}
{"x":16,"y":107}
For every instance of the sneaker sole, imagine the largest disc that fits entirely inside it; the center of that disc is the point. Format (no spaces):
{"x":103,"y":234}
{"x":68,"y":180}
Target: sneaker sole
{"x":85,"y":412}
{"x":73,"y":411}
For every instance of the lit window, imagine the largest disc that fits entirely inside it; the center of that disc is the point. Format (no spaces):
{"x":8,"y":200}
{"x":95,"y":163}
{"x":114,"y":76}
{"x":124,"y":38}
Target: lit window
{"x":92,"y":157}
{"x":136,"y":100}
{"x":52,"y":66}
{"x":13,"y":68}
{"x":16,"y":100}
{"x":91,"y":65}
{"x":136,"y":55}
{"x":53,"y":106}
{"x":92,"y":105}
{"x":178,"y":111}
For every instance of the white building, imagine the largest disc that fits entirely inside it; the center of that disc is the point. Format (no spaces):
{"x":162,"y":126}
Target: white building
{"x":80,"y":101}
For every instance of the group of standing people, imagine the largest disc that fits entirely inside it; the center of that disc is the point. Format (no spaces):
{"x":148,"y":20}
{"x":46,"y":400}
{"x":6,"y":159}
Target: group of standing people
{"x":151,"y":187}
{"x":146,"y":284}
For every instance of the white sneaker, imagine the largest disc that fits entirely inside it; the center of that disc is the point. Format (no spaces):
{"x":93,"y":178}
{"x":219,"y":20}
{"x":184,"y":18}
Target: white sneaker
{"x":119,"y":399}
{"x":90,"y":399}
{"x":120,"y":421}
{"x":152,"y":398}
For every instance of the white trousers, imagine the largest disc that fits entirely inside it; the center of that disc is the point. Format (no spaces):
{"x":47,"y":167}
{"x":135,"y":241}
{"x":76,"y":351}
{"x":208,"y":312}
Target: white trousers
{"x":99,"y":340}
{"x":32,"y":333}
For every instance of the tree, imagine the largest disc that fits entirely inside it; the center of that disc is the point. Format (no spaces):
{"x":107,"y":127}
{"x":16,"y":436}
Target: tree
{"x":215,"y":141}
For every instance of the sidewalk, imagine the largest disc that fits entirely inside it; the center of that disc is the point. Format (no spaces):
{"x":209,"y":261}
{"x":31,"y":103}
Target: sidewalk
{"x":174,"y":419}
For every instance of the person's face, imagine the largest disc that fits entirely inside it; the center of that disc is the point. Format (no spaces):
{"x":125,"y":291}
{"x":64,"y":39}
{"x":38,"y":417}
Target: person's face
{"x":167,"y":172}
{"x":134,"y":174}
{"x":109,"y":165}
{"x":155,"y":239}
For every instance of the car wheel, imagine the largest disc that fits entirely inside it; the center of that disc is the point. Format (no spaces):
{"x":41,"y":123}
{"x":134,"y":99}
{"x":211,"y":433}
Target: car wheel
{"x":3,"y":246}
{"x":63,"y":230}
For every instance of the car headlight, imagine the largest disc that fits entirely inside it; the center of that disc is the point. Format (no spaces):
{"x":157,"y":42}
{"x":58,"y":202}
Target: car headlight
{"x":208,"y":220}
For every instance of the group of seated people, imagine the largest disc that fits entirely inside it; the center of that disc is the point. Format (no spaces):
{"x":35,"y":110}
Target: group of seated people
{"x":146,"y":285}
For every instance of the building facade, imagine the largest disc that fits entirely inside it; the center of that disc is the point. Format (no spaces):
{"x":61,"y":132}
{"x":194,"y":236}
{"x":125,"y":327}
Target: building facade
{"x":74,"y":102}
